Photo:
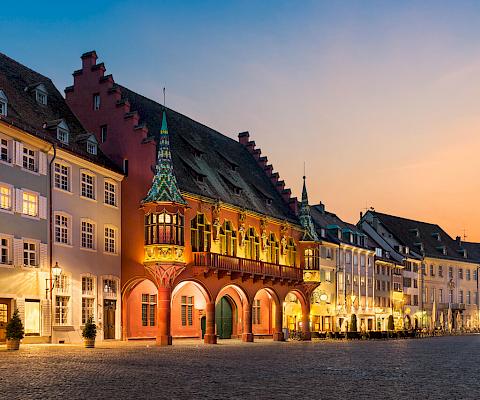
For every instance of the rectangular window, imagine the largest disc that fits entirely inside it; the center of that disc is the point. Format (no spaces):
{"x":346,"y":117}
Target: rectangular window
{"x":5,"y":197}
{"x":432,"y":270}
{"x":109,"y":286}
{"x":187,"y":310}
{"x":61,"y":310}
{"x":415,"y":299}
{"x":63,"y":283}
{"x":469,"y":297}
{"x":30,"y":254}
{"x":110,"y":240}
{"x":475,"y":274}
{"x":328,"y":276}
{"x":62,"y":226}
{"x":415,"y":283}
{"x":440,"y":271}
{"x":91,"y":148}
{"x":103,"y":133}
{"x":41,"y":97}
{"x":88,"y":186}
{"x":88,"y":235}
{"x":3,"y":108}
{"x":4,"y":251}
{"x":110,"y":193}
{"x":62,"y":177}
{"x":256,"y":312}
{"x":30,"y":204}
{"x":460,"y":276}
{"x":149,"y":303}
{"x":407,"y":282}
{"x":32,"y":317}
{"x":87,"y":309}
{"x":467,"y":274}
{"x":87,"y":286}
{"x":450,"y":273}
{"x":29,"y":159}
{"x":62,"y":135}
{"x":460,"y":296}
{"x":96,"y":101}
{"x":4,"y":153}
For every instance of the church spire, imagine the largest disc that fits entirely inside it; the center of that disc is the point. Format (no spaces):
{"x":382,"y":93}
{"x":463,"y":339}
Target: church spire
{"x":306,"y":220}
{"x":164,"y":187}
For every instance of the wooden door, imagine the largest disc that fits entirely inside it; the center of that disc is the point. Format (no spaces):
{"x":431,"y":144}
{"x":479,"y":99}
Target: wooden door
{"x":224,"y":318}
{"x":109,"y":308}
{"x":203,"y":324}
{"x":4,"y":317}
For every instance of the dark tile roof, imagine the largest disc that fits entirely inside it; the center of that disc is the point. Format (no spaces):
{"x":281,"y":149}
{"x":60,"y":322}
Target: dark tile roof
{"x":18,"y":82}
{"x":210,"y":164}
{"x":411,"y":233}
{"x":325,"y":219}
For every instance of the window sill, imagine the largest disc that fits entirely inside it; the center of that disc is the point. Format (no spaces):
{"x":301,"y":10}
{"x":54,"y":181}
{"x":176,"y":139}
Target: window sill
{"x":63,"y":190}
{"x":10,"y":266}
{"x":5,"y":210}
{"x":29,"y":267}
{"x":110,"y":254}
{"x":30,"y":171}
{"x":88,"y":198}
{"x":89,"y":250}
{"x":63,"y":245}
{"x":110,"y":206}
{"x":36,"y":218}
{"x":10,"y":164}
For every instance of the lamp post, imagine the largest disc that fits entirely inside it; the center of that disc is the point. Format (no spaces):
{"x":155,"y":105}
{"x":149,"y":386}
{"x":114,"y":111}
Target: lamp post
{"x":50,"y":283}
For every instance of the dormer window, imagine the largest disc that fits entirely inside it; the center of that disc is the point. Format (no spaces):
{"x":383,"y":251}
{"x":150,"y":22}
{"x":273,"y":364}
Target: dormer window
{"x":3,"y":103}
{"x":91,"y":147}
{"x":436,"y":235}
{"x":41,"y":94}
{"x":62,"y":132}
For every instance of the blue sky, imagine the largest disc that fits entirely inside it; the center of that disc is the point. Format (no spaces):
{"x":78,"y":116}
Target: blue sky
{"x":380,"y":98}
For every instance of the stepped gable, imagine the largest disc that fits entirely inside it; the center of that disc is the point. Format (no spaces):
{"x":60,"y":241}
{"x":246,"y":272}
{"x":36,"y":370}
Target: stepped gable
{"x":412,"y":233}
{"x":24,"y":112}
{"x":210,"y":164}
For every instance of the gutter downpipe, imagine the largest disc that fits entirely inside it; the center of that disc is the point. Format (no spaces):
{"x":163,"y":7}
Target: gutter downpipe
{"x":50,"y":215}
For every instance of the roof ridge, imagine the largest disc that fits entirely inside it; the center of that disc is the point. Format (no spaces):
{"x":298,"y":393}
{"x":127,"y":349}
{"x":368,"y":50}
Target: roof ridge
{"x":408,"y":219}
{"x":10,"y":59}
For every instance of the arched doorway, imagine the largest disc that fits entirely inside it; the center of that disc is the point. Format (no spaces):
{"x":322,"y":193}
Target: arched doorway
{"x":296,"y":311}
{"x":265,"y":306}
{"x":224,"y":318}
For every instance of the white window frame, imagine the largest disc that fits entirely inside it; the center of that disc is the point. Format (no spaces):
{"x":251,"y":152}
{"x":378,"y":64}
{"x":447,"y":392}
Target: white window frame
{"x":3,"y":103}
{"x":84,"y":185}
{"x":41,"y":96}
{"x":27,"y":204}
{"x":63,"y":135}
{"x":6,"y":150}
{"x":89,"y":292}
{"x":110,"y":196}
{"x":29,"y":159}
{"x":63,"y":311}
{"x":84,"y":234}
{"x":109,"y":241}
{"x":27,"y":253}
{"x":91,"y":147}
{"x":9,"y":250}
{"x":8,"y":196}
{"x":61,"y":231}
{"x":60,"y":176}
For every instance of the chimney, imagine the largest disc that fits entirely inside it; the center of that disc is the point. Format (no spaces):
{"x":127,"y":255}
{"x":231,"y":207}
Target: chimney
{"x":321,"y":206}
{"x":244,"y":137}
{"x":361,"y":215}
{"x":458,"y":239}
{"x":89,"y":59}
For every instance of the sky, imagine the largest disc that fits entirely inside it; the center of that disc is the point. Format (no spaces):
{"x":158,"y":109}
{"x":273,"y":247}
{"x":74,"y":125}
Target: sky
{"x":379,"y":99}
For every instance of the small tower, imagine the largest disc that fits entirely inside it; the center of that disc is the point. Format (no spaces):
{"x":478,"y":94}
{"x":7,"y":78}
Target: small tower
{"x":164,"y":209}
{"x":306,"y":221}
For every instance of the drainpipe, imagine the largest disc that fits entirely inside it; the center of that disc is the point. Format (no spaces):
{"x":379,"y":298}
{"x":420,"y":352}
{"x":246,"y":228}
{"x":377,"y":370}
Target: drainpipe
{"x":50,"y":241}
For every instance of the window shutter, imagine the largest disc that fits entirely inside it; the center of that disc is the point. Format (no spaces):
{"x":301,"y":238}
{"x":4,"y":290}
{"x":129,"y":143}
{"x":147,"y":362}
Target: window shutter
{"x":43,"y":256}
{"x":46,"y":317}
{"x":42,"y":163}
{"x":19,"y":200}
{"x":322,"y":275}
{"x":18,"y":252}
{"x":42,"y":207}
{"x":19,"y":153}
{"x":20,"y":305}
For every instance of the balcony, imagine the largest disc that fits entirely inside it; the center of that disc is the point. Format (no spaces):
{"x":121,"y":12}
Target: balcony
{"x":246,"y":266}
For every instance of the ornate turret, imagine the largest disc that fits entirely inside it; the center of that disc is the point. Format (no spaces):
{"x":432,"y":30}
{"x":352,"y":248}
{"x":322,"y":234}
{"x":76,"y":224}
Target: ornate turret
{"x":164,"y":187}
{"x":306,"y":221}
{"x":164,"y":209}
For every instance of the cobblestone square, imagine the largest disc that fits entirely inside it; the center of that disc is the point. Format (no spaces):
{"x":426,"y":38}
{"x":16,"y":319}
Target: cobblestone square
{"x":435,"y":368}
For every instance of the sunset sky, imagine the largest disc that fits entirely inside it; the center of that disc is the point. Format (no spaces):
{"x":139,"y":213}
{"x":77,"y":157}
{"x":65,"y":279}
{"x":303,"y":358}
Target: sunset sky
{"x":380,"y":99}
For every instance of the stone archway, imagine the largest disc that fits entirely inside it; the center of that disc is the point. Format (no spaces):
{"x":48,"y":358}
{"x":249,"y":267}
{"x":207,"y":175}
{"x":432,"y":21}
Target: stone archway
{"x":296,"y":310}
{"x":240,"y":304}
{"x":267,"y":314}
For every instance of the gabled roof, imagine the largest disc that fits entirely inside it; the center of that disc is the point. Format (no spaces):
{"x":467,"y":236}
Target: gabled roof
{"x":24,"y":112}
{"x":434,"y":239}
{"x":219,"y":161}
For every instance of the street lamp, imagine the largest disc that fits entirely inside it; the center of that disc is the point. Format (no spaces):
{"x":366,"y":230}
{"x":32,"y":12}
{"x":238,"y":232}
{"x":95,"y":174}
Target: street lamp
{"x":55,"y":273}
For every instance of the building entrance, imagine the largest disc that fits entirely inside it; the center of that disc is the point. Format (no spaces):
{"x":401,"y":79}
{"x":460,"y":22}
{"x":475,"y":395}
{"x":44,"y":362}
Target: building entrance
{"x":224,"y":318}
{"x":109,"y":307}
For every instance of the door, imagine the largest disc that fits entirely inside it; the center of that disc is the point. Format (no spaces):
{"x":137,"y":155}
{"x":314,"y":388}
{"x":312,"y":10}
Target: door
{"x":203,"y":324}
{"x":109,"y":307}
{"x":223,"y":317}
{"x":4,"y":317}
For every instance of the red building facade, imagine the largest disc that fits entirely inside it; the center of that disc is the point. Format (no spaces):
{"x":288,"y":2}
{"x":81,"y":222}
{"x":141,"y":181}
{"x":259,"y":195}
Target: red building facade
{"x":211,"y":241}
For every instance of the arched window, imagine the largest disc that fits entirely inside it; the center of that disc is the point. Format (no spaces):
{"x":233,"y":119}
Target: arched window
{"x":228,"y":239}
{"x":164,"y":228}
{"x":291,"y":253}
{"x":312,"y":260}
{"x":252,"y":245}
{"x":273,"y":249}
{"x":200,"y":233}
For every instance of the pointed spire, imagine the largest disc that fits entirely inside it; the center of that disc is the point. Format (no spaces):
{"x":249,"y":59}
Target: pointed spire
{"x":306,"y":220}
{"x":164,"y":187}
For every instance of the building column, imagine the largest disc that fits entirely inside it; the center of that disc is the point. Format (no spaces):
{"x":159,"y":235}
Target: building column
{"x":247,"y":335}
{"x":278,"y":334}
{"x":210,"y":336}
{"x":124,"y":321}
{"x":164,"y":337}
{"x":307,"y":335}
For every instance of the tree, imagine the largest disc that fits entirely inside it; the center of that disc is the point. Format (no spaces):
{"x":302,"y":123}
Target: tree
{"x":14,"y":328}
{"x":391,"y":324}
{"x":353,"y":323}
{"x":90,"y":329}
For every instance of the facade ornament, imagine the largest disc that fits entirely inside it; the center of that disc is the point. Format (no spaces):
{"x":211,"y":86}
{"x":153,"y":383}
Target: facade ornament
{"x":164,"y":275}
{"x":283,"y":240}
{"x":216,"y":220}
{"x":242,"y":230}
{"x":263,"y":233}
